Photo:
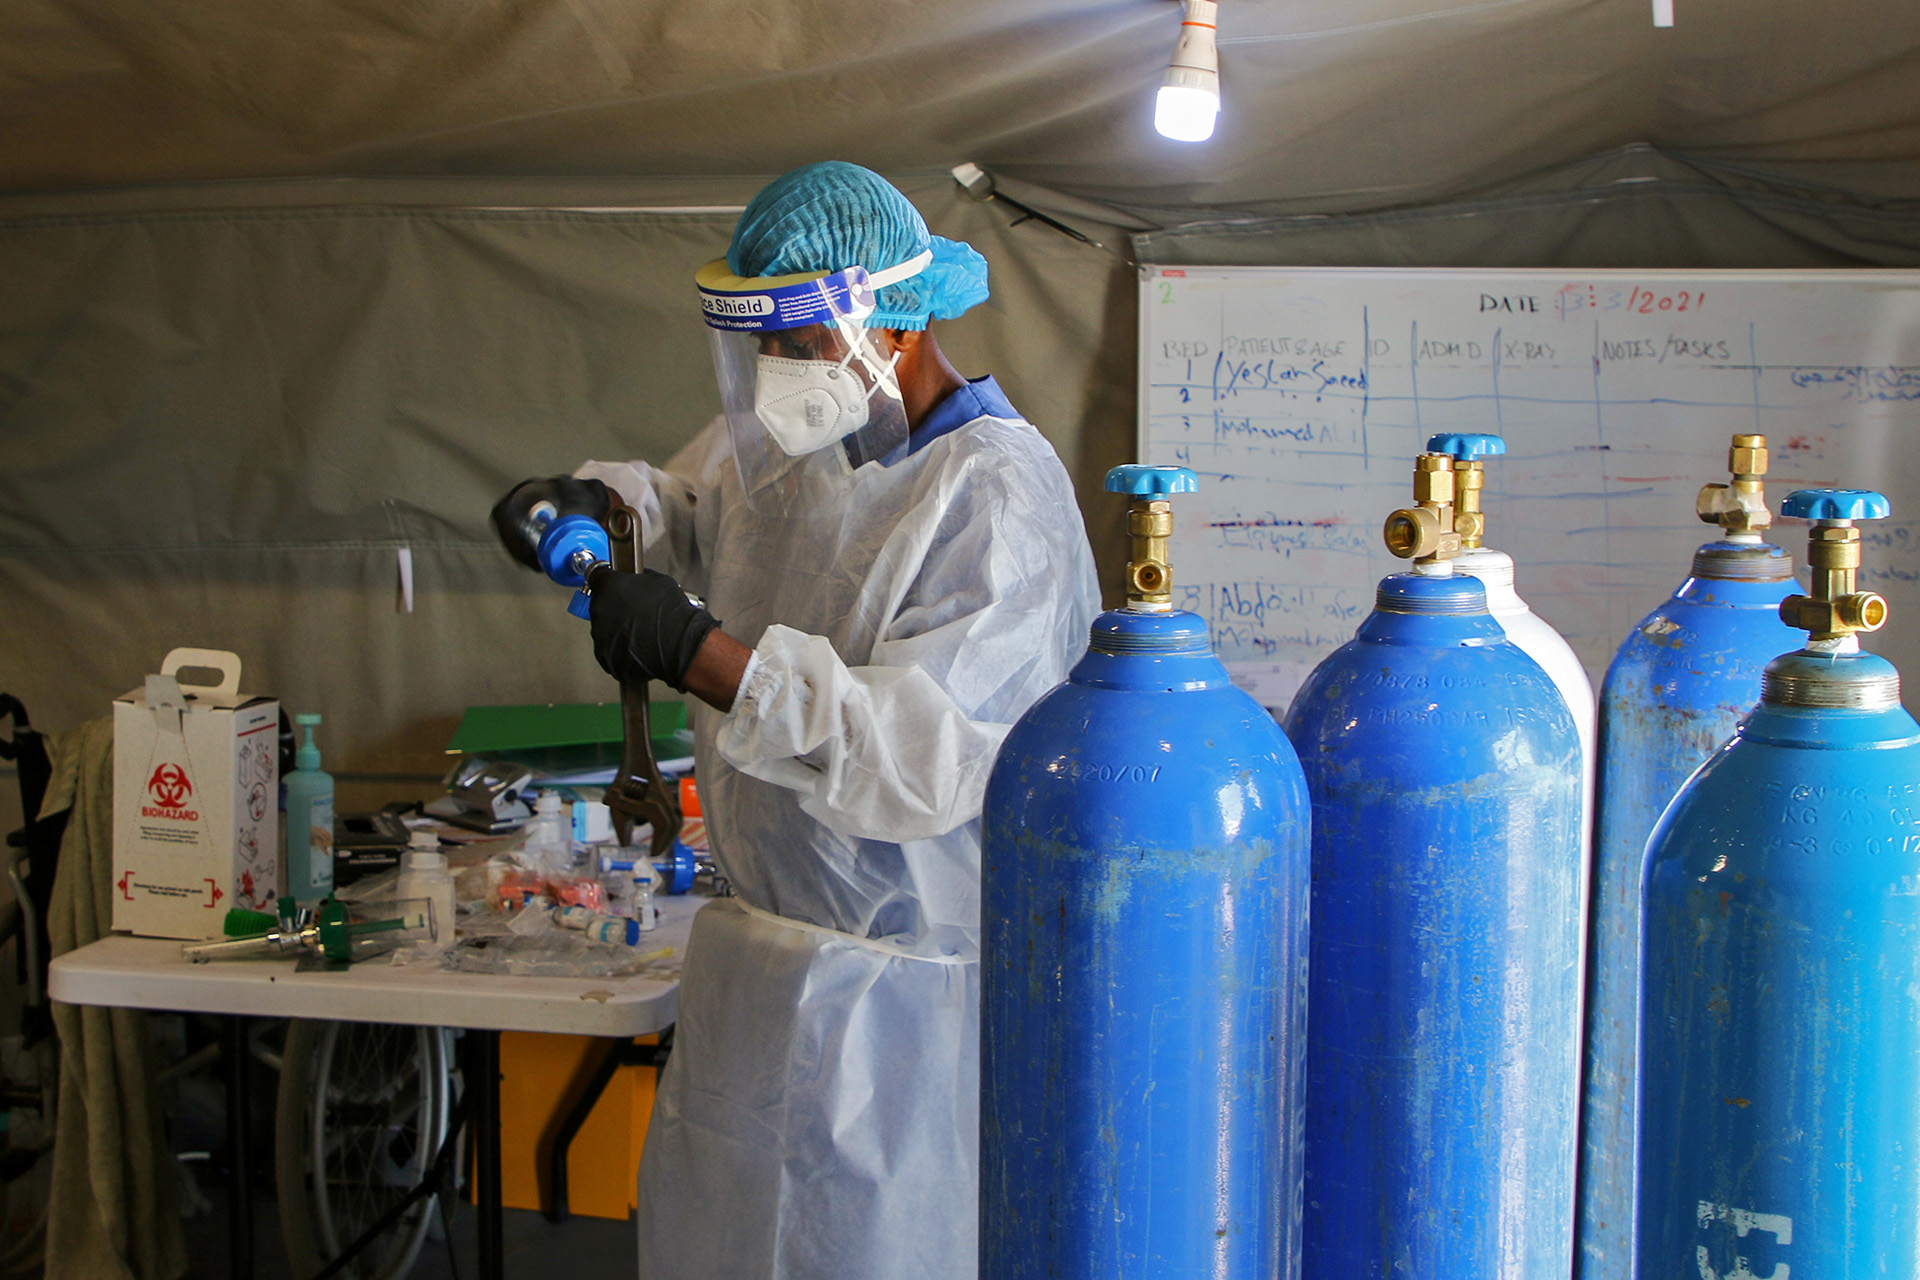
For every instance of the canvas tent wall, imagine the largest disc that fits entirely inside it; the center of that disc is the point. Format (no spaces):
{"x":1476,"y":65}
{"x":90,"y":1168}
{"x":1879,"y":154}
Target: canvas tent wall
{"x":242,"y":363}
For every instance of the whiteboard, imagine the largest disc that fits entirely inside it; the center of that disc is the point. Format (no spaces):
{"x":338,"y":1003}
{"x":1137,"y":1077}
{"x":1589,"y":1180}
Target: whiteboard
{"x":1301,"y":395}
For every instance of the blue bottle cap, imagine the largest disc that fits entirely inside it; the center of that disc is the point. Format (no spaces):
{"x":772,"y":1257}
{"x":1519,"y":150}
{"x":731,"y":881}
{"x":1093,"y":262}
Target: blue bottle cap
{"x":1142,"y":480}
{"x":1467,"y":446}
{"x":562,"y":538}
{"x":1836,"y":504}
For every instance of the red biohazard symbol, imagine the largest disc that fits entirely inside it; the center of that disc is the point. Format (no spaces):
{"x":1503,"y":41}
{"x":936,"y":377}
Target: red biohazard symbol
{"x":169,"y":786}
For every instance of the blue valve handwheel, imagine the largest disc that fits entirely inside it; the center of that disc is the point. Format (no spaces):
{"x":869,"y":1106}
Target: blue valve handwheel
{"x":1836,"y":504}
{"x":562,"y":539}
{"x":1467,"y":446}
{"x":676,"y":874}
{"x":1142,"y":480}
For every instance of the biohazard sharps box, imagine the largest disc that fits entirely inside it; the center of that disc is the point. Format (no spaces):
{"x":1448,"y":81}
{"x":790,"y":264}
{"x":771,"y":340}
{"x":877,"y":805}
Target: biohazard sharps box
{"x":196,"y":781}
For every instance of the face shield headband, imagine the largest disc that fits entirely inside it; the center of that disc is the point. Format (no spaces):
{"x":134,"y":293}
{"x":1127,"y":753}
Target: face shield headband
{"x":739,"y":304}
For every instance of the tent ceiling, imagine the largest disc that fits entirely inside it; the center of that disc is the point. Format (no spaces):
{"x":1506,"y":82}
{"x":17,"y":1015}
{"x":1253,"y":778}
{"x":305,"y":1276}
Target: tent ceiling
{"x":1331,"y":106}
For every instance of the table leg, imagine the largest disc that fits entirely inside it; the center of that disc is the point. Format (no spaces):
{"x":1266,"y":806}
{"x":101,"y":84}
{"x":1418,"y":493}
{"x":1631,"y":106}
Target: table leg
{"x":623,"y":1052}
{"x":484,"y":1080}
{"x":239,"y":1149}
{"x":557,"y":1207}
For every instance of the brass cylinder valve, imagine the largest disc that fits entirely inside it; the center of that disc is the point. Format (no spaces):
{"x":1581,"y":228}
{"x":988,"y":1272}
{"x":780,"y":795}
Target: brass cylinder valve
{"x":1834,"y":610}
{"x":1739,"y":508}
{"x":1469,"y":478}
{"x":1149,"y":526}
{"x":1149,"y":577}
{"x":1424,"y":532}
{"x":1467,"y":448}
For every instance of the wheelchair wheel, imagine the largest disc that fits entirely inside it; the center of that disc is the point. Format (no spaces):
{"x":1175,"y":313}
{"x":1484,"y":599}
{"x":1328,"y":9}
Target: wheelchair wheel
{"x":363,"y":1108}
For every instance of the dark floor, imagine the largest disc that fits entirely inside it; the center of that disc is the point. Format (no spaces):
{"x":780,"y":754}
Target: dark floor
{"x":591,"y":1248}
{"x":588,"y":1248}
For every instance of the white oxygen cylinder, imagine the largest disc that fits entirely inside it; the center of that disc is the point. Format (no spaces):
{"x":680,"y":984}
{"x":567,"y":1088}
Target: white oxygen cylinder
{"x":1526,"y":629}
{"x":1539,"y":641}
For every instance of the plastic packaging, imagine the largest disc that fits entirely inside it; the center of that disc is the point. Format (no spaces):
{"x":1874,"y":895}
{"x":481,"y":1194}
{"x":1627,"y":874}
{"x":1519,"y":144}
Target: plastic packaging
{"x":548,"y":847}
{"x":578,"y":891}
{"x":560,"y":953}
{"x":309,"y":825}
{"x":511,"y":887}
{"x":619,"y":891}
{"x":425,"y":875}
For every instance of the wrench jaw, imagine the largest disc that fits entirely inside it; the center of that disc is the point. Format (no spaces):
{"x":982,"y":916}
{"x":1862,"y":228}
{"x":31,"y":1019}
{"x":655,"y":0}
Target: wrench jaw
{"x":638,"y":795}
{"x":632,"y":803}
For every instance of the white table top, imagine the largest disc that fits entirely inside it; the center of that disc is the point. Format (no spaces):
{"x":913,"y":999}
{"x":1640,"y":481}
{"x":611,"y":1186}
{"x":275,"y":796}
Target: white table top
{"x":149,"y":973}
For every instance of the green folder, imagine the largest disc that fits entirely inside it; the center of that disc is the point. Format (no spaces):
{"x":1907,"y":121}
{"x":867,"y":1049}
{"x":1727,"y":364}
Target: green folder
{"x":565,"y":737}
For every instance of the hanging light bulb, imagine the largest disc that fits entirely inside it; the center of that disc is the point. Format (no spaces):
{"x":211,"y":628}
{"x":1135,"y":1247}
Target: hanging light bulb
{"x":1190,"y":92}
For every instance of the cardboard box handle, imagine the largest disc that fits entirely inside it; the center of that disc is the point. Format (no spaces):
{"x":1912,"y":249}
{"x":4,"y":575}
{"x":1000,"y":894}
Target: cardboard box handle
{"x":227,"y":664}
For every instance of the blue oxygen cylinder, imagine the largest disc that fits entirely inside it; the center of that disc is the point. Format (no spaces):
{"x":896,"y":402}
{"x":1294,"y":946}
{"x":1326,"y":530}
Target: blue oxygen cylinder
{"x":1143,"y":958}
{"x":1675,"y":691}
{"x":1779,"y":1122}
{"x":1443,"y":1043}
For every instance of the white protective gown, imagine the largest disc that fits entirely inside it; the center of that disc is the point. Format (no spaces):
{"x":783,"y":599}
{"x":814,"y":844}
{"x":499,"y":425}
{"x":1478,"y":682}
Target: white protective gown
{"x":819,"y":1116}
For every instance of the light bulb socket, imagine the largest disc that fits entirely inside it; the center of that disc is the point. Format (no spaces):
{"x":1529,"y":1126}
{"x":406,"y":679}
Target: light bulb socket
{"x":1197,"y":47}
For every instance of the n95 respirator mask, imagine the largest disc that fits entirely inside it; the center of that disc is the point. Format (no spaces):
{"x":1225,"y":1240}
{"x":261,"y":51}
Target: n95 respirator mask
{"x":808,"y":404}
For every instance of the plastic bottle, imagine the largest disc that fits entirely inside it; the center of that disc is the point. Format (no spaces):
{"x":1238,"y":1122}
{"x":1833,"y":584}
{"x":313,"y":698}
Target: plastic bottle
{"x":309,"y":827}
{"x":576,"y":917}
{"x":609,"y":929}
{"x":425,"y":875}
{"x":548,"y":848}
{"x":645,"y":914}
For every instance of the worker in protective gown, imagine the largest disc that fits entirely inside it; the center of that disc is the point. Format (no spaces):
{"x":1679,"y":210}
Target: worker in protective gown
{"x":894,"y":569}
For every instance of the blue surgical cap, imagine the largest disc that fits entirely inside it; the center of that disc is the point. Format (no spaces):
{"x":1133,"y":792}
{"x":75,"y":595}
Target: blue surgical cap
{"x":835,"y":215}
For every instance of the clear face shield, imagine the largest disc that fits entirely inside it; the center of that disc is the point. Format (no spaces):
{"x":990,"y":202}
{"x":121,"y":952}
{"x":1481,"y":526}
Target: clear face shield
{"x":809,"y":391}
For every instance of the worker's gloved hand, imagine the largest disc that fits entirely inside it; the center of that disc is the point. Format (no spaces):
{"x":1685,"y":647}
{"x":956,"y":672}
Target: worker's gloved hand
{"x":645,"y":628}
{"x":564,"y":495}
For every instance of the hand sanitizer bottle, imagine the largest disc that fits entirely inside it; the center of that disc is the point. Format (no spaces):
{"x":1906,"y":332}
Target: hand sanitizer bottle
{"x":309,"y":832}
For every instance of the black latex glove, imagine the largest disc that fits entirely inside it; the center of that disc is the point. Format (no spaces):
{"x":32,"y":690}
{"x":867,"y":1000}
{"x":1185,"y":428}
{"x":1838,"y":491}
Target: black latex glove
{"x":513,"y":514}
{"x":645,"y":628}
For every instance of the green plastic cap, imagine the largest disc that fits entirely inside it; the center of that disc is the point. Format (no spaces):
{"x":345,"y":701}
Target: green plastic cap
{"x":307,"y":755}
{"x":242,"y":923}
